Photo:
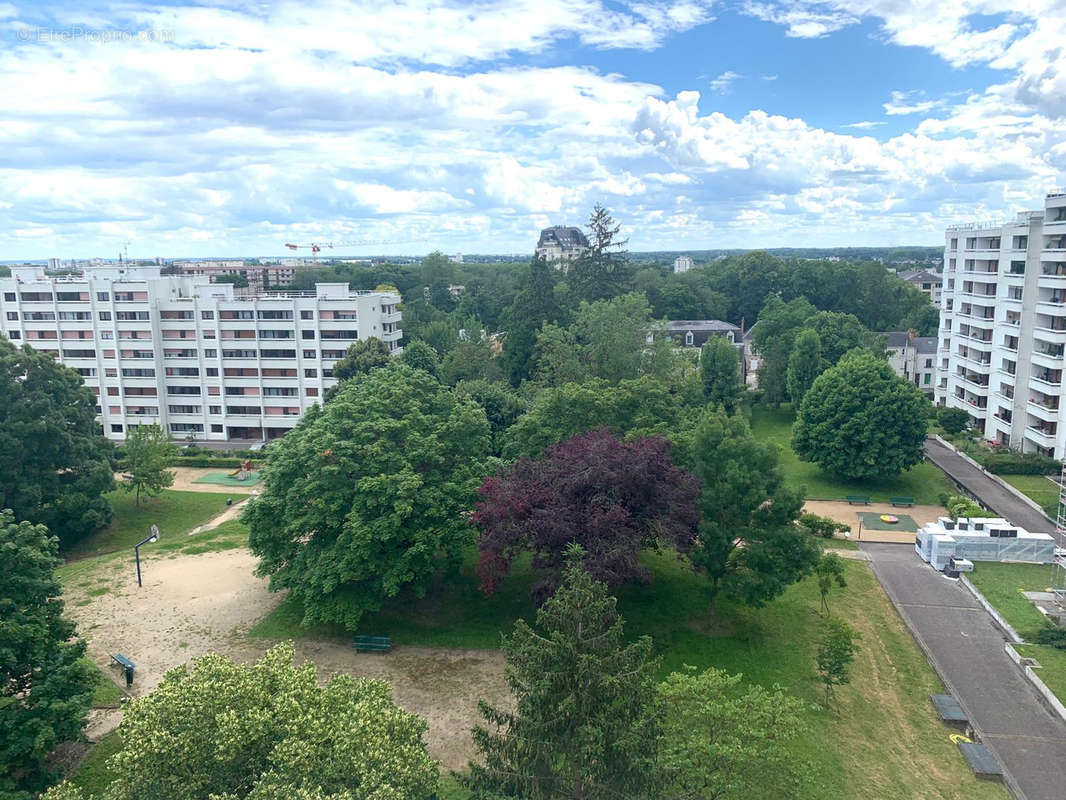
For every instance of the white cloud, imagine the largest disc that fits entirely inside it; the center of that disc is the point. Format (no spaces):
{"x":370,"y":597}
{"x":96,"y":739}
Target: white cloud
{"x":910,"y":103}
{"x":723,"y":84}
{"x":864,"y":125}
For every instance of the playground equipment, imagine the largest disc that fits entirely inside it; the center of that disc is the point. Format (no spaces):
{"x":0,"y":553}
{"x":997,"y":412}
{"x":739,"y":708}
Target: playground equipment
{"x":889,"y":518}
{"x":243,"y":471}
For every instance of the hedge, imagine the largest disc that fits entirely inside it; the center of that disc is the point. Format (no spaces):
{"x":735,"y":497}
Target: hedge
{"x":201,"y":461}
{"x":1019,"y":463}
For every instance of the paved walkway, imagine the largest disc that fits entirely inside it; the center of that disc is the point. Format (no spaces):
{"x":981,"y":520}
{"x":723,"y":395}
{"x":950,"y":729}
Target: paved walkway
{"x":966,"y":650}
{"x":977,"y":483}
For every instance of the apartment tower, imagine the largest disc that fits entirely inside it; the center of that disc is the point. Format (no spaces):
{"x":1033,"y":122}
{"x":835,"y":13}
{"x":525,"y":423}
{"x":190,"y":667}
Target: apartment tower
{"x":1003,"y":327}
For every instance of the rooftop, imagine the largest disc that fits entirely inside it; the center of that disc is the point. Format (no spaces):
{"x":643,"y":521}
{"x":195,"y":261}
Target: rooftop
{"x":700,"y":325}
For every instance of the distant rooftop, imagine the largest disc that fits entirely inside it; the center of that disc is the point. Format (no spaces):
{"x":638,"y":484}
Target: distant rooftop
{"x":700,"y":325}
{"x":562,"y":236}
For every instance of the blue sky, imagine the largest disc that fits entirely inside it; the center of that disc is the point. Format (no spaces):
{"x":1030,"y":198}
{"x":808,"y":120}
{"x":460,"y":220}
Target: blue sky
{"x":232,"y":127}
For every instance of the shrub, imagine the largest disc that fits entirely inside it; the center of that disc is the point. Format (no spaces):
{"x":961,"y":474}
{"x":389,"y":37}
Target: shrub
{"x":1056,"y":637}
{"x":1012,"y":463}
{"x":952,"y":420}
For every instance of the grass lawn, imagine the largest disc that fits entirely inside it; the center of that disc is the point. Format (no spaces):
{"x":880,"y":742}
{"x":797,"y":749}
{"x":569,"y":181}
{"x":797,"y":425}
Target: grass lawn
{"x":1039,"y":489}
{"x":882,"y":738}
{"x":106,"y":693}
{"x":1003,"y":584}
{"x":923,"y":482}
{"x":93,"y":776}
{"x":174,"y":512}
{"x":1052,"y":666}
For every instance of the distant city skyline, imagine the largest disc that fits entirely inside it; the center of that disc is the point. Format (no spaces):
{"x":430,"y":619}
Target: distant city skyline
{"x":179,"y":126}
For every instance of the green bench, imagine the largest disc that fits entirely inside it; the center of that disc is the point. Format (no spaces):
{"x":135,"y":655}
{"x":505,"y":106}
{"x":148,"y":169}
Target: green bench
{"x":128,"y":667}
{"x":903,"y":501}
{"x":858,"y":499}
{"x":372,"y":644}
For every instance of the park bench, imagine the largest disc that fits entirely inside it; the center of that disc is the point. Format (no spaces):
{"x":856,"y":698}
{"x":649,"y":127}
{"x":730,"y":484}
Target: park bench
{"x":903,"y":501}
{"x":858,"y":499}
{"x":128,"y":666}
{"x":372,"y":644}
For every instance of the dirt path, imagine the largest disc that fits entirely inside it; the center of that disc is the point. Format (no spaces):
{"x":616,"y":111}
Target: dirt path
{"x":844,"y":512}
{"x":190,"y":605}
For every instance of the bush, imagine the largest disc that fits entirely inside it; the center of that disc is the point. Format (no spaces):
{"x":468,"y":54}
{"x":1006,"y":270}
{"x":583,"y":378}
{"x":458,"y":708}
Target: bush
{"x":1056,"y":637}
{"x":822,"y":526}
{"x":1012,"y":463}
{"x":952,"y":420}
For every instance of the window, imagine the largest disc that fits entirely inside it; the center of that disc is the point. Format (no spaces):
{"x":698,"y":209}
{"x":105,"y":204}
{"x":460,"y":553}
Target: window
{"x":214,"y":409}
{"x":238,"y":353}
{"x":211,"y":372}
{"x":927,"y":379}
{"x":307,"y":334}
{"x":310,"y":354}
{"x":183,"y":390}
{"x":186,"y":427}
{"x":210,"y":353}
{"x":76,"y":315}
{"x":207,"y":315}
{"x":310,"y":373}
{"x":303,"y":314}
{"x":172,"y":315}
{"x":128,"y":316}
{"x":37,"y":297}
{"x":116,"y":429}
{"x":236,"y":315}
{"x":86,"y":372}
{"x":9,"y":297}
{"x":105,"y":315}
{"x":13,"y":315}
{"x":275,"y":315}
{"x":140,"y":373}
{"x":184,"y":409}
{"x":14,"y":335}
{"x":277,"y":353}
{"x":103,"y":297}
{"x":183,"y":372}
{"x":79,"y":354}
{"x":112,"y":391}
{"x":216,"y":428}
{"x":312,"y":392}
{"x":688,"y":339}
{"x":279,"y":391}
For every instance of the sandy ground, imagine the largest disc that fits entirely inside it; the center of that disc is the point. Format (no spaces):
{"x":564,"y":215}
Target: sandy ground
{"x":185,"y":477}
{"x":848,"y":514}
{"x":190,"y":605}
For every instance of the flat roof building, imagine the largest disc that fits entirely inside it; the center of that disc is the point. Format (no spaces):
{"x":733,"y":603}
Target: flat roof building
{"x":195,"y":357}
{"x":981,"y":539}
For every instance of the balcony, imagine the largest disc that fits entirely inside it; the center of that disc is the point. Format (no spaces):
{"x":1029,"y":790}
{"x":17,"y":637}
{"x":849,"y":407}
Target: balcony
{"x":1041,"y":435}
{"x":1046,"y":378}
{"x":1051,"y":335}
{"x":392,"y":336}
{"x":1043,"y":412}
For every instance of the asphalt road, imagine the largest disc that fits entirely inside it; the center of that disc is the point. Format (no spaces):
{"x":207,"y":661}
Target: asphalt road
{"x":988,"y":492}
{"x":966,"y":650}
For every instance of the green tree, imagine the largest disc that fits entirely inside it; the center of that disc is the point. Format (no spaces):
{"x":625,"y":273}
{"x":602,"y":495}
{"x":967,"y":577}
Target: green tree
{"x":149,"y":452}
{"x":836,"y":650}
{"x":723,"y":741}
{"x":45,"y":685}
{"x":612,"y":335}
{"x":442,"y":335}
{"x":501,"y":405}
{"x":750,"y":546}
{"x":830,"y":570}
{"x":268,"y":730}
{"x":472,"y":359}
{"x":421,"y":356}
{"x":584,"y":724}
{"x":837,"y":334}
{"x":860,"y":420}
{"x":824,"y":527}
{"x":558,"y":357}
{"x":602,"y":271}
{"x":642,"y":407}
{"x":779,"y":322}
{"x":720,"y":373}
{"x":238,"y":281}
{"x":438,"y":273}
{"x":365,"y":497}
{"x":804,"y":365}
{"x":952,"y":420}
{"x":362,"y":356}
{"x":534,"y":305}
{"x":56,"y":466}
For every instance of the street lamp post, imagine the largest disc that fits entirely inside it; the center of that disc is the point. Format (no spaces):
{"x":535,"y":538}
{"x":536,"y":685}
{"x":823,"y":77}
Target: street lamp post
{"x":152,"y":537}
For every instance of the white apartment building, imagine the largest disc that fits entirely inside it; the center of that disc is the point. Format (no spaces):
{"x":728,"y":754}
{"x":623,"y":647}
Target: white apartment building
{"x":192,"y":356}
{"x":913,"y":357}
{"x":1003,"y":327}
{"x":682,"y":264}
{"x":928,"y":283}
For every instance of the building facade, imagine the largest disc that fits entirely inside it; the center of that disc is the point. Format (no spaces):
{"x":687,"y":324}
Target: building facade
{"x":928,"y":283}
{"x":1003,"y":327}
{"x":682,"y":264}
{"x":194,"y":357}
{"x":913,"y":357}
{"x":260,"y":278}
{"x":561,"y":243}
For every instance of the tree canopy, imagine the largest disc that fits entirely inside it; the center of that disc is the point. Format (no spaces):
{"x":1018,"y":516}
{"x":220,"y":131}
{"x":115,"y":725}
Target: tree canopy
{"x":362,"y":356}
{"x":720,"y":373}
{"x":613,"y":498}
{"x":422,"y":356}
{"x":365,"y":497}
{"x":45,"y":684}
{"x":267,"y":731}
{"x":804,"y":364}
{"x":602,"y":271}
{"x":860,"y":420}
{"x":584,"y":724}
{"x":750,"y":546}
{"x":56,"y":466}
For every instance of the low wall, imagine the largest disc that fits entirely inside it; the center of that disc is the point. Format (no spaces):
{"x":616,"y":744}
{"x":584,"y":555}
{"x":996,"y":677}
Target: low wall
{"x":1030,"y":674}
{"x":996,"y":616}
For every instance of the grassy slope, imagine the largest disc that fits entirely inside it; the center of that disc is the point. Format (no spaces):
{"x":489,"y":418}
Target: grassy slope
{"x":174,"y":512}
{"x":924,"y":482}
{"x":882,"y":736}
{"x":1039,"y":489}
{"x":93,"y":776}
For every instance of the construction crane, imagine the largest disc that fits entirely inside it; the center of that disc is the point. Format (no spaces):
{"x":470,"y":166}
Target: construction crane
{"x":316,"y":247}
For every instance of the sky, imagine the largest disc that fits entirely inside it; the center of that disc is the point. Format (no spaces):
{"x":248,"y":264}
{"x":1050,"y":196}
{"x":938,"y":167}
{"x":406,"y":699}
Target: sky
{"x":233,"y":127}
